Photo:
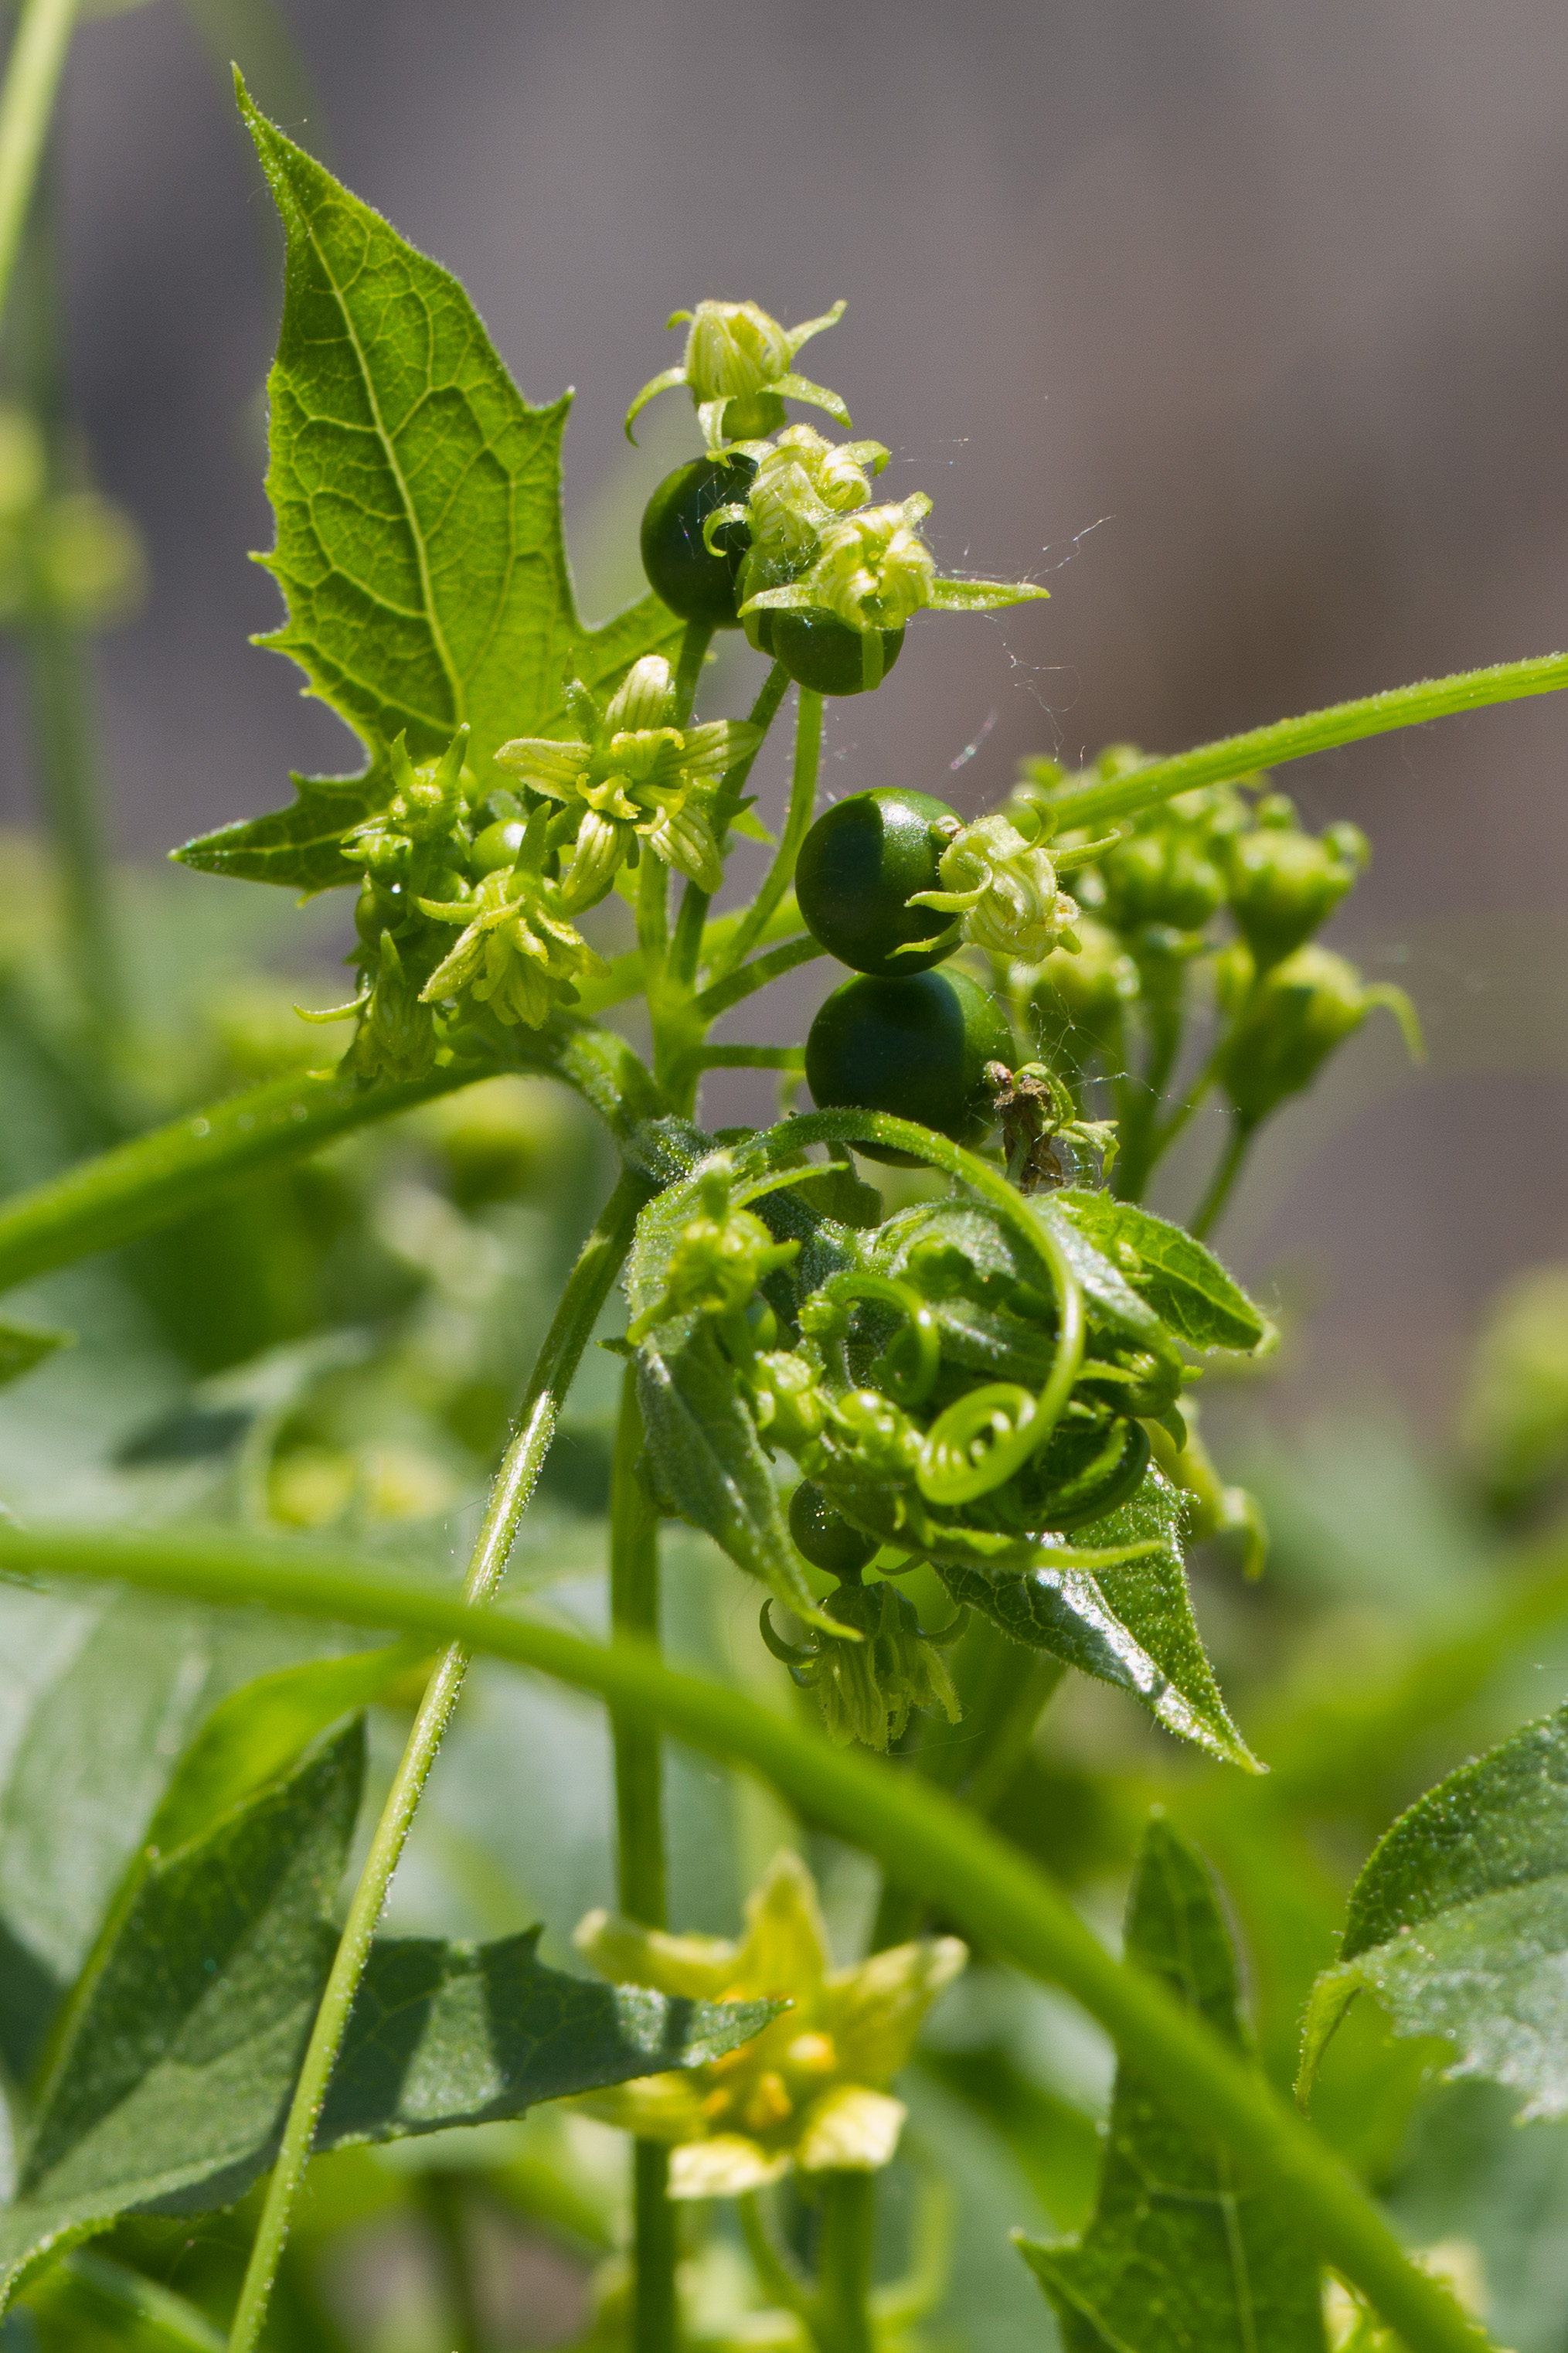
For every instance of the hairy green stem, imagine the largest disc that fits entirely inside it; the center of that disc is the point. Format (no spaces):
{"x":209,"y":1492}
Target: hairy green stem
{"x":840,"y":2319}
{"x":160,"y":1176}
{"x":1224,"y":1179}
{"x":598,"y":1263}
{"x":639,"y":1829}
{"x":921,"y":1837}
{"x":695,"y":640}
{"x":1316,"y":731}
{"x":797,"y":823}
{"x":692,"y":940}
{"x":33,"y":69}
{"x":738,"y":986}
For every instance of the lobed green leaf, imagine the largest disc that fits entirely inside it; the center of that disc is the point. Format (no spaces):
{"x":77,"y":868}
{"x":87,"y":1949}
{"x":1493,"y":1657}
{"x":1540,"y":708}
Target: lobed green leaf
{"x":419,"y":547}
{"x":1181,"y":2252}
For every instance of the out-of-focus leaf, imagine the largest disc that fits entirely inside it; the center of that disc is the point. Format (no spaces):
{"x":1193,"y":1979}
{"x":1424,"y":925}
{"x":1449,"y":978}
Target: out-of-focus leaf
{"x":418,"y":503}
{"x":1131,"y":1626}
{"x":1182,"y":1281}
{"x":168,"y":2090}
{"x":1055,"y":2144}
{"x":1180,"y":2253}
{"x":1459,"y":1922}
{"x":21,"y":1349}
{"x":86,"y":2304}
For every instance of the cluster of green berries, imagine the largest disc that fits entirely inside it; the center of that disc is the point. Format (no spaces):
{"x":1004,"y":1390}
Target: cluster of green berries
{"x":777,"y":535}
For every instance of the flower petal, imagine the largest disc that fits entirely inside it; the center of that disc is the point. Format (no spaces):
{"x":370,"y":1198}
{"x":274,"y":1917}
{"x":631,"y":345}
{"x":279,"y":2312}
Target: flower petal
{"x":850,"y":2130}
{"x":642,"y":700}
{"x":717,"y":745}
{"x":628,"y":1954}
{"x":873,"y":2012}
{"x":728,"y":2166}
{"x":549,"y":766}
{"x":785,"y":1951}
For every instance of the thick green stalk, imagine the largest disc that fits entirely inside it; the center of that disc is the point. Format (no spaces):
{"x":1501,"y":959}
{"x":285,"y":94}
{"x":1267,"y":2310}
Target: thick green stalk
{"x":839,"y":2320}
{"x":597,"y":1266}
{"x":33,"y":69}
{"x":155,"y":1178}
{"x":797,"y":823}
{"x":922,"y":1839}
{"x":160,"y":1176}
{"x":639,"y":1829}
{"x":1316,"y":731}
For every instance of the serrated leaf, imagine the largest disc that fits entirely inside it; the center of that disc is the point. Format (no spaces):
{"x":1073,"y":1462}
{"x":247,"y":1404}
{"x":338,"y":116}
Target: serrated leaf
{"x":91,"y":1765}
{"x":1182,"y":1281}
{"x":1459,"y":1922}
{"x":419,"y":545}
{"x":1180,"y":2254}
{"x":251,"y":1739}
{"x":22,"y":1348}
{"x":171,"y":2091}
{"x":1131,"y":1626}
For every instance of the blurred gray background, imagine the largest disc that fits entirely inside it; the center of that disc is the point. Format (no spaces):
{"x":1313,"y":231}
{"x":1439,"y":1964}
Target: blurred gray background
{"x":1244,"y":326}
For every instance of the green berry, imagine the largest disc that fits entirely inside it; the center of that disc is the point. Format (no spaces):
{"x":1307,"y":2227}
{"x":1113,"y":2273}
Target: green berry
{"x":497,"y":846}
{"x":828,"y":655}
{"x":917,"y":1049}
{"x":860,"y":864}
{"x":695,"y":581}
{"x":825,"y":1536}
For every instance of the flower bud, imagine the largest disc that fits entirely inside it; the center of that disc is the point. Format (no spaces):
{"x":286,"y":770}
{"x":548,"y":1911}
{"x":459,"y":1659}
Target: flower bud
{"x":1165,"y":879}
{"x":1077,"y":1001}
{"x":868,"y":1689}
{"x":1284,"y":884}
{"x":1290,"y":1020}
{"x":396,"y":1036}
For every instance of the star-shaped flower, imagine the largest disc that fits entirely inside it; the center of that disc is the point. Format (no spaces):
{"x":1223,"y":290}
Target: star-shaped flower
{"x":810,"y":2089}
{"x":1003,"y":888}
{"x":740,"y":370}
{"x":637,"y":778}
{"x":517,"y":951}
{"x":872,"y":571}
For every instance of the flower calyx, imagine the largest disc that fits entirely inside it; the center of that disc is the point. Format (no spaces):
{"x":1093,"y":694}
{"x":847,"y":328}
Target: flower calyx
{"x":739,"y":367}
{"x":868,"y":1689}
{"x":810,"y":2092}
{"x":630,"y":776}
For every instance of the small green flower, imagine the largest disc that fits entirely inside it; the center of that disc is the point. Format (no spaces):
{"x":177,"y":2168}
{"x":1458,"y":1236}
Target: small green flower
{"x":1003,"y":887}
{"x":517,"y":951}
{"x":803,"y":484}
{"x":810,"y":2091}
{"x":868,"y":1689}
{"x":873,"y":571}
{"x":738,"y":369}
{"x":636,"y":778}
{"x":426,"y":809}
{"x":396,"y":1035}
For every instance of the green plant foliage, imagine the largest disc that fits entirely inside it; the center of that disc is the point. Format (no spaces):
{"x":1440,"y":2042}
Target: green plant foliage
{"x":21,"y":1349}
{"x":1180,"y":2253}
{"x":86,"y":2304}
{"x":169,"y":2085}
{"x":419,"y":543}
{"x":1459,"y":1922}
{"x":1182,"y":1281}
{"x":1130,"y":1625}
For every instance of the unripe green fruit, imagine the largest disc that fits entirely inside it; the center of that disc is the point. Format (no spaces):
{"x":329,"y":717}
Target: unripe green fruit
{"x":825,"y":1536}
{"x":858,"y":866}
{"x":826,"y":655}
{"x":379,"y":908}
{"x":695,"y":581}
{"x":917,"y":1049}
{"x":497,"y":846}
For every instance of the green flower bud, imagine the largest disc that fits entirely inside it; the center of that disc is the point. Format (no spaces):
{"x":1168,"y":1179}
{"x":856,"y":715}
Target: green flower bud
{"x":717,"y":1260}
{"x":787,"y":1400}
{"x":1289,"y":1021}
{"x":1284,"y":884}
{"x":868,"y":1689}
{"x":1163,"y":879}
{"x":396,"y":1036}
{"x":739,"y":367}
{"x":1516,"y":1415}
